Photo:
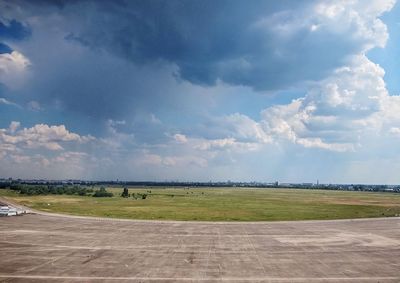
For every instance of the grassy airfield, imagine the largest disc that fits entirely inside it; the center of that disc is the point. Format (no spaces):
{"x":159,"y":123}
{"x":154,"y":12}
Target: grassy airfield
{"x":220,"y":204}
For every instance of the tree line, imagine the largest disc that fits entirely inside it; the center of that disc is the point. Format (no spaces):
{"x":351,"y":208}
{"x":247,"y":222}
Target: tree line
{"x":50,"y":189}
{"x":32,"y":190}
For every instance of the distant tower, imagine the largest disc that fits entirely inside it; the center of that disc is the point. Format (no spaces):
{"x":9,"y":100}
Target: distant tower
{"x":317,"y":182}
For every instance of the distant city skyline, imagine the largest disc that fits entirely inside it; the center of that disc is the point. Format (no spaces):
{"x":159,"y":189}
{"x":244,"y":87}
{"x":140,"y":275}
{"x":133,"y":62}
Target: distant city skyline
{"x":292,"y":91}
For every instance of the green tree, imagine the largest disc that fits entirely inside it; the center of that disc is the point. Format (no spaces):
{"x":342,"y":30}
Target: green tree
{"x":125,"y":193}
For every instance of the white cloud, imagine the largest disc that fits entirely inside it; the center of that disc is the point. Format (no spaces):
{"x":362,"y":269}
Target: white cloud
{"x":39,"y":136}
{"x":20,"y":158}
{"x":180,"y":138}
{"x":12,"y":68}
{"x":244,"y":129}
{"x":318,"y":143}
{"x":14,"y":61}
{"x":229,"y":144}
{"x":395,"y":131}
{"x":43,"y":151}
{"x":214,"y":144}
{"x":187,"y":160}
{"x":70,"y":156}
{"x":338,"y":111}
{"x":67,"y":164}
{"x":8,"y":102}
{"x":356,"y":19}
{"x":154,"y":119}
{"x":14,"y":125}
{"x":148,"y":159}
{"x":113,"y":123}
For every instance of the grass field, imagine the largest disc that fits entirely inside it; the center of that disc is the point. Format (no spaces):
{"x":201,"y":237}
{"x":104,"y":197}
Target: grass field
{"x":222,"y":204}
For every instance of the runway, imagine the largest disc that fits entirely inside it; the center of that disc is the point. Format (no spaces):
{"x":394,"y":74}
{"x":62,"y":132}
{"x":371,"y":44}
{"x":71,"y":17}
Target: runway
{"x":53,"y":248}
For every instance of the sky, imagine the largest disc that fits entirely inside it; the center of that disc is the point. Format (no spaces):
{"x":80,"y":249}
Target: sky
{"x":211,"y":90}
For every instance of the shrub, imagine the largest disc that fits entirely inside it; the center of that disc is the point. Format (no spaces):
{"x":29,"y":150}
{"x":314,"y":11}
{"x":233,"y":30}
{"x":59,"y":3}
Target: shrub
{"x":102,"y":192}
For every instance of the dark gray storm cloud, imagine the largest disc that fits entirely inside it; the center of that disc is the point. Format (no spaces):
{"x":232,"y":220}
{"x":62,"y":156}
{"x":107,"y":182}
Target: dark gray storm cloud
{"x":233,"y":41}
{"x":238,"y":42}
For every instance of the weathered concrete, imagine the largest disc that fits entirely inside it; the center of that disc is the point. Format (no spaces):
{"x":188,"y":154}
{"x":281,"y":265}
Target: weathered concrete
{"x":44,"y":248}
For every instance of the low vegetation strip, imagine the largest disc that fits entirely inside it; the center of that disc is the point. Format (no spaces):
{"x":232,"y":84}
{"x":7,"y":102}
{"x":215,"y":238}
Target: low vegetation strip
{"x":211,"y":204}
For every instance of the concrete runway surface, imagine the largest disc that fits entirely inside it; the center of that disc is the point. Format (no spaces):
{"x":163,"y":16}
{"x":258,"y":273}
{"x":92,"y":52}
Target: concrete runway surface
{"x":54,"y":248}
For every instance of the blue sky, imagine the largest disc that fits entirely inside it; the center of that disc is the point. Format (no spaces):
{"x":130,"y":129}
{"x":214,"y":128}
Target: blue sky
{"x":293,"y":91}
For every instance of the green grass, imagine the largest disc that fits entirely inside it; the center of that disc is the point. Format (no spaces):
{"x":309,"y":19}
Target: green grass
{"x":222,"y":204}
